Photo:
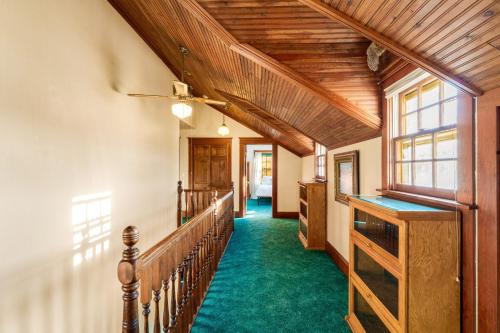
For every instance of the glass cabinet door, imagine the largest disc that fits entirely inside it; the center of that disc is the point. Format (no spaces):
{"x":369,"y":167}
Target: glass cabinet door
{"x":380,"y":281}
{"x":303,"y":228}
{"x":366,"y":316}
{"x":382,"y":233}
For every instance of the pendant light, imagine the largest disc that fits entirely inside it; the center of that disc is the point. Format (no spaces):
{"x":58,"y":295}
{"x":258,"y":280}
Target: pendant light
{"x":223,"y":129}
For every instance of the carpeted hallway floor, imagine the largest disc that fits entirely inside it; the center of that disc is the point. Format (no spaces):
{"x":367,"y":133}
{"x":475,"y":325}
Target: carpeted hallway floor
{"x":267,"y":282}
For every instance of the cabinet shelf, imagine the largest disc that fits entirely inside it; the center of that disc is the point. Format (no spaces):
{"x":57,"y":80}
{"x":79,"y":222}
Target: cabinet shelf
{"x":312,"y":215}
{"x":402,"y":267}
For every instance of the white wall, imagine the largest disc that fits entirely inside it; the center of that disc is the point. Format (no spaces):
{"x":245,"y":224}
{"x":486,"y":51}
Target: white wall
{"x":370,"y":177}
{"x":289,"y":173}
{"x":308,"y":172}
{"x":67,"y":132}
{"x":208,"y":121}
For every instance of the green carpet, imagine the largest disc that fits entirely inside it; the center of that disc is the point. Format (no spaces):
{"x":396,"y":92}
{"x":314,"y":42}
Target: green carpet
{"x":267,"y":282}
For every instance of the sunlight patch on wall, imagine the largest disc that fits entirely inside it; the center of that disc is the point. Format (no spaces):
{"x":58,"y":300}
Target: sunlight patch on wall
{"x":91,"y":220}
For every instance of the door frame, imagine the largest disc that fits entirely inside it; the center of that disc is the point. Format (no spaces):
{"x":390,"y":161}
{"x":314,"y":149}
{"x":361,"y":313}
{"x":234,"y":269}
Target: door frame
{"x":193,"y":140}
{"x":258,"y":141}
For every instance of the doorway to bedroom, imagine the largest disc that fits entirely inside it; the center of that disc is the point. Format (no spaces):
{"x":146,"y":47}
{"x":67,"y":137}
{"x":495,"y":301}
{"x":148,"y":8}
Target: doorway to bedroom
{"x":257,"y":182}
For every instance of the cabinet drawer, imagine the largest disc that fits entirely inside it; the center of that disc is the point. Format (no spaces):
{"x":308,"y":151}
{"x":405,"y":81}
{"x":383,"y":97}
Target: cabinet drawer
{"x":380,"y":232}
{"x":381,"y":282}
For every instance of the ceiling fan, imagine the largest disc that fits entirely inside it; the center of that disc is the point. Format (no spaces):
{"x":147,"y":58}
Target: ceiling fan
{"x":182,"y":93}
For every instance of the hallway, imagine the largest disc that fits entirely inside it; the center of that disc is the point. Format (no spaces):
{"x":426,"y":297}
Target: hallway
{"x":267,"y":282}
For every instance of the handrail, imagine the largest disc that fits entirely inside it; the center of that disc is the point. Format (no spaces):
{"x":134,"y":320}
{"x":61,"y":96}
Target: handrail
{"x":180,"y":268}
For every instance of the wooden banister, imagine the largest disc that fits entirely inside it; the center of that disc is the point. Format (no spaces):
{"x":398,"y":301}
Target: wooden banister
{"x":176,"y":272}
{"x":191,"y":202}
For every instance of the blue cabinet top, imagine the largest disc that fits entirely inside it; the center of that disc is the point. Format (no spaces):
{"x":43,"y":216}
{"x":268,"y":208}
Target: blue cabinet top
{"x":402,"y":209}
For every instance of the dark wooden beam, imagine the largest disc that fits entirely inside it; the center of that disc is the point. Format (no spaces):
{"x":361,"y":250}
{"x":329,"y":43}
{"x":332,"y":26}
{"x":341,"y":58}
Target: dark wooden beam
{"x":391,"y":45}
{"x":279,"y":125}
{"x":294,"y":77}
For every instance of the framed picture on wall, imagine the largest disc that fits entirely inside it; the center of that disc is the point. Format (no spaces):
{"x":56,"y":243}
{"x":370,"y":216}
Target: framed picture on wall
{"x":346,"y":175}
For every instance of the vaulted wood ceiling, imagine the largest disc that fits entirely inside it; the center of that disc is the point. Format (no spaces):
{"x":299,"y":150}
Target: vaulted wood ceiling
{"x":296,"y":70}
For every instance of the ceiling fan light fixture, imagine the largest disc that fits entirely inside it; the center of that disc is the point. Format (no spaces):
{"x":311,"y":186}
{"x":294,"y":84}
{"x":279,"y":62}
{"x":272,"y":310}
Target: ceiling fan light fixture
{"x":223,"y":129}
{"x":182,"y":110}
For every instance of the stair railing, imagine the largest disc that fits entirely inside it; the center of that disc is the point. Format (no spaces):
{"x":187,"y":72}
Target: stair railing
{"x":191,"y":202}
{"x":174,"y":274}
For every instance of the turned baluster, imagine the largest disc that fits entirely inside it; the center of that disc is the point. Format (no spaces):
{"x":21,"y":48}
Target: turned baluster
{"x":166,"y":312}
{"x":179,"y":203}
{"x":145,"y":312}
{"x":156,"y":299}
{"x":180,"y":278}
{"x":127,"y":275}
{"x":192,"y":204}
{"x":173,"y":304}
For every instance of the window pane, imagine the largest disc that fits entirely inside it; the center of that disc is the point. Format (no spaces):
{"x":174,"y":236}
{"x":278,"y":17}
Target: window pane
{"x":449,"y":91}
{"x":429,"y":118}
{"x":411,"y":102}
{"x":403,"y":149}
{"x":423,"y":147}
{"x":450,"y":112}
{"x":423,"y":174}
{"x":410,"y":123}
{"x":430,"y":93}
{"x":446,"y":144}
{"x":446,"y":175}
{"x":403,"y":173}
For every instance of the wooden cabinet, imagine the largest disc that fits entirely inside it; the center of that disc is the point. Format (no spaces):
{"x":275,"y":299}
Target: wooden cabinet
{"x":209,"y":163}
{"x":312,"y":215}
{"x":403,"y":267}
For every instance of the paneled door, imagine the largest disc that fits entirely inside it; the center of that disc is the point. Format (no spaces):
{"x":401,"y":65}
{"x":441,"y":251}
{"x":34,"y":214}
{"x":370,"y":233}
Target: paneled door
{"x":209,"y":163}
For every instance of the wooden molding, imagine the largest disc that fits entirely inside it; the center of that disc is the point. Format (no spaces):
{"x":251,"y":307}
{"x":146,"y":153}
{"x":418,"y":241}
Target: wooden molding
{"x":277,"y":124}
{"x":257,"y":141}
{"x":293,"y":77}
{"x":286,"y":215}
{"x":337,"y":258}
{"x":391,"y":45}
{"x":208,"y":21}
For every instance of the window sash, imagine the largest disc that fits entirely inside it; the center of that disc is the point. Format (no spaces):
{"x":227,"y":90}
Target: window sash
{"x":400,"y":134}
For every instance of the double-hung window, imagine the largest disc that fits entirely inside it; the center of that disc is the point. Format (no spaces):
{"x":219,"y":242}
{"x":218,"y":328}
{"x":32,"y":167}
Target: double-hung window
{"x":424,"y":139}
{"x":320,"y":162}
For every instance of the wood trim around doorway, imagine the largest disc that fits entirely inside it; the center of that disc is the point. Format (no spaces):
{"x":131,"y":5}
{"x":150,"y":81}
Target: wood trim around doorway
{"x":257,"y":141}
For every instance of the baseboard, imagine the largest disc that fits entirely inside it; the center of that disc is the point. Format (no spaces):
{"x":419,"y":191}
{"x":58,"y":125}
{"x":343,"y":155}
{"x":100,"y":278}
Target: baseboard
{"x":337,"y":258}
{"x":286,"y":215}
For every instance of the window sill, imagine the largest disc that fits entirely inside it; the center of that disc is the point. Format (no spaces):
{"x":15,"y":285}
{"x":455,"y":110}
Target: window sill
{"x":427,"y":200}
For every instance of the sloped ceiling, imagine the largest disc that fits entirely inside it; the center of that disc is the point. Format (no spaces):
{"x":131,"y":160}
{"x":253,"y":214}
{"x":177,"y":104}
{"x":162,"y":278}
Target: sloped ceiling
{"x":296,"y":71}
{"x":222,"y":66}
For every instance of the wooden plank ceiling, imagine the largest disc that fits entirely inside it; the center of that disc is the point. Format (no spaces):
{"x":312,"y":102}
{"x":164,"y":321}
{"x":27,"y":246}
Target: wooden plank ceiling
{"x":294,"y":73}
{"x":300,"y":107}
{"x":460,"y":36}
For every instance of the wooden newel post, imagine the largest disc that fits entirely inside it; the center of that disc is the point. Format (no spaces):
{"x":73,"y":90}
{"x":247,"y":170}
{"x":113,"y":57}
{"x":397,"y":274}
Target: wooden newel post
{"x":127,"y":274}
{"x":179,"y":203}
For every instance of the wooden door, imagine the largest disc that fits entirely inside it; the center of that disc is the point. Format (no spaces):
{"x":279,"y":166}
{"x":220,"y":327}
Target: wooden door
{"x":209,"y":164}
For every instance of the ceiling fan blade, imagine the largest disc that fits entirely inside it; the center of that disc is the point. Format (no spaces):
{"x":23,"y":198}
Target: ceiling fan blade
{"x":208,"y":101}
{"x":146,"y":95}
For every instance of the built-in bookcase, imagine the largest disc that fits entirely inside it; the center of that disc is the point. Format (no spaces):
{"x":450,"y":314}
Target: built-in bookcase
{"x":312,"y":215}
{"x":403,"y":267}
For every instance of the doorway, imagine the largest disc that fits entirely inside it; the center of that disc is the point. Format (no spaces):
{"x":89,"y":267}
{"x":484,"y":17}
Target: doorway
{"x":258,"y":170}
